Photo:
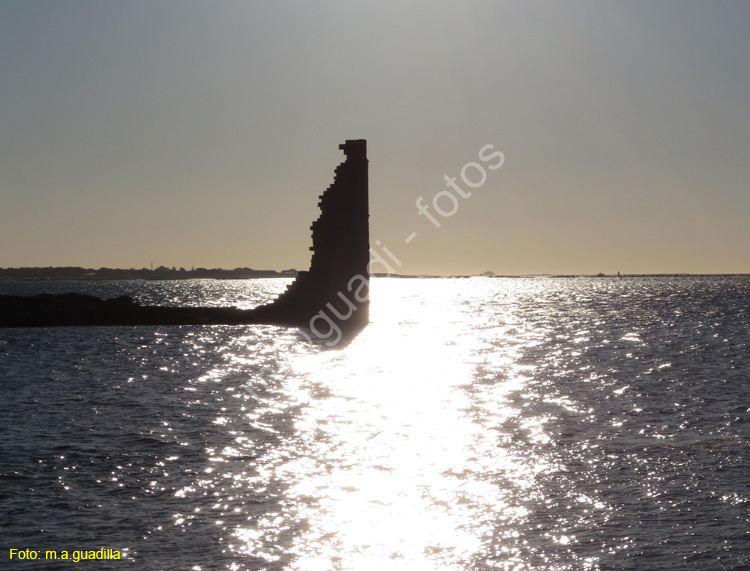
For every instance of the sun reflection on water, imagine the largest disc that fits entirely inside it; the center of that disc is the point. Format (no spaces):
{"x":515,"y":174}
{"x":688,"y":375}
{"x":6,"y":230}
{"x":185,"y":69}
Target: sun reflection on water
{"x":388,"y":465}
{"x":440,"y":437}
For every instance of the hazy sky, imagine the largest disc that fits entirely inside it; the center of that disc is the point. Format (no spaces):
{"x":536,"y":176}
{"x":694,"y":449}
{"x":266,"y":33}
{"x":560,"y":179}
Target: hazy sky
{"x":197,"y":133}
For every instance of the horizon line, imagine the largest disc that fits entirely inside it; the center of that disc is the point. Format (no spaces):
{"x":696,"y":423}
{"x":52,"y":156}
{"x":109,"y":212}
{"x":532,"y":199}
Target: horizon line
{"x":91,"y":273}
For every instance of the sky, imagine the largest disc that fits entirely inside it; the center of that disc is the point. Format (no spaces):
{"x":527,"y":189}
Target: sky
{"x":194,"y":133}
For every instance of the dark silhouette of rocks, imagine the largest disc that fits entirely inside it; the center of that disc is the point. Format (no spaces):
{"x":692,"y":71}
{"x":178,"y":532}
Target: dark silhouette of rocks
{"x":332,"y":295}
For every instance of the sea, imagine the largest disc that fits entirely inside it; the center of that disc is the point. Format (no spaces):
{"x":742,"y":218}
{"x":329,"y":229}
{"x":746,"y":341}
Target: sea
{"x":477,"y":423}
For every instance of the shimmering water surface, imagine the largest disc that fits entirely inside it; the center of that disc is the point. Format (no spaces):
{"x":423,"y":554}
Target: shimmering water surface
{"x":475,"y":424}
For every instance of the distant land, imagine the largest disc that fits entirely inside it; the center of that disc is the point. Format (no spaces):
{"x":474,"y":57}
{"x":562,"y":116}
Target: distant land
{"x":160,"y":273}
{"x":165,"y":273}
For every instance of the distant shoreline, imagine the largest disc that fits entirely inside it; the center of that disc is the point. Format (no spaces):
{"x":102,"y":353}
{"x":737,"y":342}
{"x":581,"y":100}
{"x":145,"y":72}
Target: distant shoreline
{"x":114,"y":274}
{"x":163,"y":273}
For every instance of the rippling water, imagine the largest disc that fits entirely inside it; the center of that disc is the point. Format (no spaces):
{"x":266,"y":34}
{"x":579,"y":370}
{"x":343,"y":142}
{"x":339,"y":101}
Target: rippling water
{"x":475,"y":424}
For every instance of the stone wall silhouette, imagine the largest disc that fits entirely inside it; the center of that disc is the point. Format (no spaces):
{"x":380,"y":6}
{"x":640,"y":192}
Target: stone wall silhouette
{"x":341,"y":250}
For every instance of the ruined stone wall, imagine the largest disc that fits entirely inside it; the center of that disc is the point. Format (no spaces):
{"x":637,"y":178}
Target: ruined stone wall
{"x":341,"y":250}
